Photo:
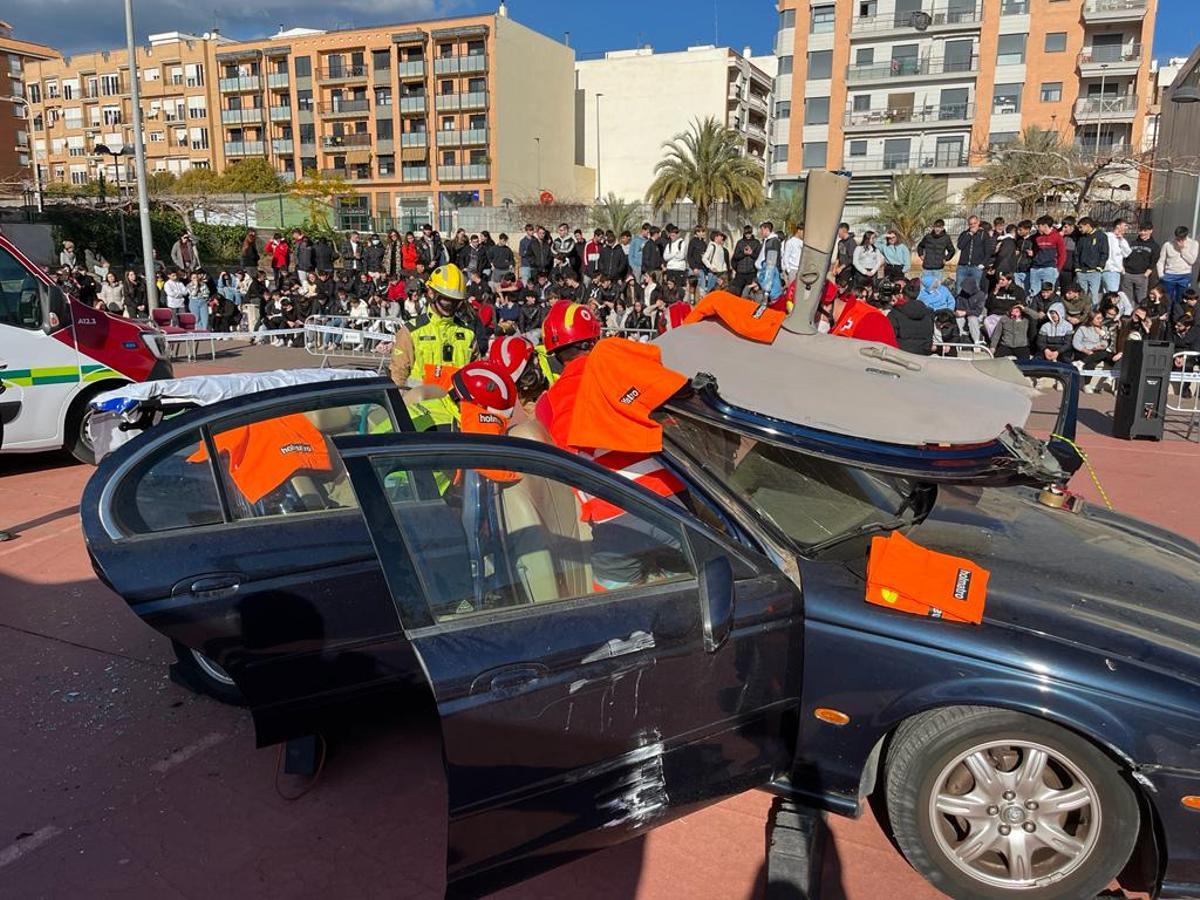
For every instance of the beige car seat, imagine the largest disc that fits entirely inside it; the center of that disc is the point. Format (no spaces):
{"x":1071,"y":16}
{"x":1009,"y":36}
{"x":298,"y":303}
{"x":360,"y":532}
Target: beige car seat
{"x":550,"y":546}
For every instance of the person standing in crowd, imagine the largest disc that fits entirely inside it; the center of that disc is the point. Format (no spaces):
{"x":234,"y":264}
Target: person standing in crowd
{"x":176,"y":292}
{"x":636,"y":244}
{"x":675,"y":254}
{"x":652,"y":256}
{"x":935,"y":249}
{"x":351,"y":252}
{"x":695,"y":255}
{"x":768,"y":261}
{"x":562,"y":248}
{"x":1048,"y":257}
{"x":323,"y":255}
{"x":66,"y":256}
{"x":184,"y":254}
{"x":1068,"y":232}
{"x":745,"y":261}
{"x":793,"y":248}
{"x":111,"y":295}
{"x":249,"y":256}
{"x":844,"y":247}
{"x":133,"y":295}
{"x":716,"y":260}
{"x":1176,"y":262}
{"x":197,"y":299}
{"x":503,"y":263}
{"x":868,"y":262}
{"x":393,"y":254}
{"x":373,"y":257}
{"x":524,"y":255}
{"x":896,"y":256}
{"x":278,"y":252}
{"x":1118,"y":252}
{"x":975,"y":248}
{"x":252,"y":301}
{"x":542,"y":254}
{"x":1140,"y":264}
{"x":612,"y":262}
{"x":302,"y":256}
{"x":1091,"y":255}
{"x":1024,"y":244}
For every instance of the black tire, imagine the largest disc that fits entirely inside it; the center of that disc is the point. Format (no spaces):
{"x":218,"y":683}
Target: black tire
{"x":1099,"y":830}
{"x":75,"y":440}
{"x":204,"y":676}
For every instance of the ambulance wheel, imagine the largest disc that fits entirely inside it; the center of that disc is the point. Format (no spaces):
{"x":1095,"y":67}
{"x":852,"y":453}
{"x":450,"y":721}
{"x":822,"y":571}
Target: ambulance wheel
{"x":77,"y":441}
{"x":990,"y":803}
{"x":204,"y":676}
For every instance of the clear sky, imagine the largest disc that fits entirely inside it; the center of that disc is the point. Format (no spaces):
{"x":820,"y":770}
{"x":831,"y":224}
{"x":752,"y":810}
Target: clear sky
{"x":75,"y":25}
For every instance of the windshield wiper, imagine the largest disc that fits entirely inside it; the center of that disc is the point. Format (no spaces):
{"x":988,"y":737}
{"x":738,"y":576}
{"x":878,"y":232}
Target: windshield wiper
{"x":860,"y":531}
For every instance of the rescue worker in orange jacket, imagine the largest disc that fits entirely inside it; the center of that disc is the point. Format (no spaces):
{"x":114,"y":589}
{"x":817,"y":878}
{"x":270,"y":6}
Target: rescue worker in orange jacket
{"x":626,"y":550}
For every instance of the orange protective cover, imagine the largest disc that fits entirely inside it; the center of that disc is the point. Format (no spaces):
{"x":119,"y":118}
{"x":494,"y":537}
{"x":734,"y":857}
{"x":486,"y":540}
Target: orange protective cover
{"x":264,"y":454}
{"x":741,"y":316}
{"x":439,"y":375}
{"x":906,"y":576}
{"x":622,"y":384}
{"x":477,"y":420}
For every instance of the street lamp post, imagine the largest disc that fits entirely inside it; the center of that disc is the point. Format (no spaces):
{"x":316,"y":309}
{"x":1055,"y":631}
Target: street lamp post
{"x":105,"y":150}
{"x":139,"y":153}
{"x":599,"y":192}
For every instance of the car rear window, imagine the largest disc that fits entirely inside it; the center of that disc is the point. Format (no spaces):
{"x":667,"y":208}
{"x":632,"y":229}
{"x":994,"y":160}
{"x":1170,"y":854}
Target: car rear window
{"x":168,"y":490}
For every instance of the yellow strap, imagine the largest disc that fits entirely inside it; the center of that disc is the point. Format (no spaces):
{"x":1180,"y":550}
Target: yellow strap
{"x":1091,"y":469}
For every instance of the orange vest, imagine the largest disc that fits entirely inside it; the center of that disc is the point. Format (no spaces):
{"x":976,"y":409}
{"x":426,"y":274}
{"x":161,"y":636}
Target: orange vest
{"x":644,"y":469}
{"x":477,"y":420}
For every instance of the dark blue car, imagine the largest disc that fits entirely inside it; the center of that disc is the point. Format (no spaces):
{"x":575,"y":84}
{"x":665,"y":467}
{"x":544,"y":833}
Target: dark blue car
{"x":1043,"y":753}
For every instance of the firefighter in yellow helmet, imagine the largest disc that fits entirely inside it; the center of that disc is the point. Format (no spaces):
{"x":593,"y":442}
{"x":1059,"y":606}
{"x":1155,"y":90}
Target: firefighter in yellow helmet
{"x":445,"y":338}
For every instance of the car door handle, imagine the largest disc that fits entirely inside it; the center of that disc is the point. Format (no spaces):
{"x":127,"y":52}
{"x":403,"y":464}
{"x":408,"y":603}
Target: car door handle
{"x":509,"y":677}
{"x":213,"y":587}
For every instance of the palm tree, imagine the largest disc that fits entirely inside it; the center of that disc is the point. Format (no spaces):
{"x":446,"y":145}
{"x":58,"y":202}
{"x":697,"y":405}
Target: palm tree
{"x":785,"y":209}
{"x":1035,"y":165}
{"x":615,"y":214}
{"x":706,"y":165}
{"x":916,"y":202}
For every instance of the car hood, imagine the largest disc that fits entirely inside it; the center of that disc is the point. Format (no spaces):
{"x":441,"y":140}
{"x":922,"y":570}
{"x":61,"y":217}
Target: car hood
{"x":1097,"y":579}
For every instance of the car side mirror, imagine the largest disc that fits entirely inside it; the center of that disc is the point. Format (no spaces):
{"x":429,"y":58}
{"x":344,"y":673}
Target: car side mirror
{"x":716,"y":602}
{"x":54,"y":307}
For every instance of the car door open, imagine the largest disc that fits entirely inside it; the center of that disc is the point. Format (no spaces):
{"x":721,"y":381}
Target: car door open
{"x":594,"y":679}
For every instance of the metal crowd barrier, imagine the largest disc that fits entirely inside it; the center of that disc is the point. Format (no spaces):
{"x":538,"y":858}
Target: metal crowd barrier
{"x":367,"y":340}
{"x":1177,"y":401}
{"x":190,"y":339}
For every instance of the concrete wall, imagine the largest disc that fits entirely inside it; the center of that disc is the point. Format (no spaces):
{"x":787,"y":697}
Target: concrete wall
{"x":1176,"y":192}
{"x":534,"y":97}
{"x":648,"y":100}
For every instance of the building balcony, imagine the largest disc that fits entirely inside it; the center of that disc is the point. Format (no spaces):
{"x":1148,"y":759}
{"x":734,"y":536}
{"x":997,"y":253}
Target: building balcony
{"x":913,"y":69}
{"x":756,"y":132}
{"x":243,"y":148}
{"x":251,"y":116}
{"x":283,"y":145}
{"x":460,"y":65}
{"x":343,"y":74}
{"x":939,"y":20}
{"x":909,"y":162}
{"x":472,"y":100}
{"x":757,"y":102}
{"x":462,"y":137}
{"x":345,"y":108}
{"x":1097,"y":62}
{"x":334,"y":141}
{"x":278,"y":80}
{"x":281,"y":113}
{"x":954,"y":115}
{"x":735,"y":93}
{"x":1106,"y":11}
{"x":384,"y":145}
{"x":414,"y":139}
{"x":1107,"y":148}
{"x":413,"y":68}
{"x":1094,"y":110}
{"x":239,"y":85}
{"x":412,"y":105}
{"x":349,"y":173}
{"x":383,"y":107}
{"x":414,"y":174}
{"x":470,"y":172}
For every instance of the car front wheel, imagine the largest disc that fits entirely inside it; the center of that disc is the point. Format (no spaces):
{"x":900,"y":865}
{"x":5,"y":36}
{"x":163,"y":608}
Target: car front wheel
{"x":204,"y":676}
{"x":991,"y":803}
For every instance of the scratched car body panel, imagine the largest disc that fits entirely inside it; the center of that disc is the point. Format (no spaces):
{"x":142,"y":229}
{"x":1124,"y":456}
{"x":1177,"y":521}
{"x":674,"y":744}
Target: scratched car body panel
{"x":570,"y":726}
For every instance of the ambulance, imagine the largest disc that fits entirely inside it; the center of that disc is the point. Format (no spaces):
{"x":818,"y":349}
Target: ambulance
{"x":57,"y":354}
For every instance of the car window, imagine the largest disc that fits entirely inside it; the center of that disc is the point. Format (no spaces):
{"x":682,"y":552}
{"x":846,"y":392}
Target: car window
{"x":20,"y":304}
{"x":286,"y":464}
{"x":809,"y":499}
{"x":483,"y":543}
{"x":166,"y":491}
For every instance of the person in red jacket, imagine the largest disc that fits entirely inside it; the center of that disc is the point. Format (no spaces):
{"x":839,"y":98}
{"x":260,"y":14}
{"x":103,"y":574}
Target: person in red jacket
{"x":854,"y":318}
{"x":277,"y":250}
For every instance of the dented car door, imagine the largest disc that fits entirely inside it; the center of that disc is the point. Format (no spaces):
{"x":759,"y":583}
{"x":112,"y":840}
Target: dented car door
{"x":576,"y":711}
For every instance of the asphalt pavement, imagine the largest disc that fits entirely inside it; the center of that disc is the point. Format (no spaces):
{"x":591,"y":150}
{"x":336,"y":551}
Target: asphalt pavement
{"x":118,"y":782}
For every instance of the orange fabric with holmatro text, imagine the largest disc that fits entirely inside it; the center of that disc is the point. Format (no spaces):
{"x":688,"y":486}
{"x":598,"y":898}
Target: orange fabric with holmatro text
{"x":262,"y":455}
{"x":906,"y":576}
{"x":622,"y":384}
{"x":474,"y":419}
{"x":439,"y":375}
{"x":741,"y":316}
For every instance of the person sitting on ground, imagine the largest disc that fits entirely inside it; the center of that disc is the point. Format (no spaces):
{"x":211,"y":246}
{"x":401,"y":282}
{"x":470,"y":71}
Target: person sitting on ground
{"x":1010,"y":336}
{"x":1077,"y":304}
{"x":970,"y":308}
{"x":1093,"y":346}
{"x":1054,"y":335}
{"x":934,"y":294}
{"x":912,"y":321}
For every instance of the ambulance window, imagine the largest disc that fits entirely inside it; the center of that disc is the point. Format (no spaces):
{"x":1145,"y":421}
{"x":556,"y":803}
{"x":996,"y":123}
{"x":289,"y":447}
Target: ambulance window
{"x":168,"y":490}
{"x":20,"y":304}
{"x":287,"y":464}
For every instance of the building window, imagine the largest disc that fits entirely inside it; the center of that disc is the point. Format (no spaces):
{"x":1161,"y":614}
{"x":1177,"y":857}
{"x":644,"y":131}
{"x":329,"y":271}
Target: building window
{"x":387,"y":164}
{"x":858,"y":148}
{"x":149,"y":74}
{"x":1010,"y":51}
{"x":822,"y":19}
{"x":1000,"y":138}
{"x":785,"y":65}
{"x":157,"y":137}
{"x":1056,"y":42}
{"x":303,"y":66}
{"x":864,"y":56}
{"x":383,"y":129}
{"x":1006,"y":98}
{"x":1051,"y":91}
{"x":787,"y":19}
{"x":783,"y":109}
{"x":304,"y":100}
{"x":308,"y":133}
{"x":816,"y":111}
{"x":381,"y":60}
{"x":862,"y":103}
{"x":815,"y":155}
{"x":779,"y":153}
{"x":820,"y":64}
{"x":35,"y":93}
{"x":52,"y":89}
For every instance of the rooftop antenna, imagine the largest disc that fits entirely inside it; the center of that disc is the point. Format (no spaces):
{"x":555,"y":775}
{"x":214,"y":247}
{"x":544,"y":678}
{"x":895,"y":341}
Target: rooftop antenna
{"x":567,"y":38}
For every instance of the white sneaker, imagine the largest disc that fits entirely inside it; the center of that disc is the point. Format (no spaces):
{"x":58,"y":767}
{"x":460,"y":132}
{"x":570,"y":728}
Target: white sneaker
{"x":1088,"y":389}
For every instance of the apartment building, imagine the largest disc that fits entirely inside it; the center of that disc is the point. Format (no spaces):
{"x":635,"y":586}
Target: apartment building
{"x":15,"y":147}
{"x":884,"y":86}
{"x":630,"y":102}
{"x":420,"y":118}
{"x":78,"y":102}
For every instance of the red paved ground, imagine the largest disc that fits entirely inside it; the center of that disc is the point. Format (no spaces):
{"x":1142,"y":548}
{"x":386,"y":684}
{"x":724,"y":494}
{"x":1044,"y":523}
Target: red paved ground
{"x":120,"y":783}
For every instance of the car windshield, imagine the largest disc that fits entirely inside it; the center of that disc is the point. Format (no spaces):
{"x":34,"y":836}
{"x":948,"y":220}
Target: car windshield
{"x":812,"y":501}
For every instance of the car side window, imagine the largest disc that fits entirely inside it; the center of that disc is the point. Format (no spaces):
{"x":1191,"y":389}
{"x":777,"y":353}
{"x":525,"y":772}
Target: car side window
{"x":485,"y":541}
{"x":166,"y":491}
{"x":20,"y":304}
{"x":286,"y":464}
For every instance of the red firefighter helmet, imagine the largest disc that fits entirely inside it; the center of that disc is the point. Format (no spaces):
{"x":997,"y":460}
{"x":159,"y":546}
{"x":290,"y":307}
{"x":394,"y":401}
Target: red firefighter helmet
{"x":512,"y":354}
{"x":487,"y":385}
{"x":569,"y":323}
